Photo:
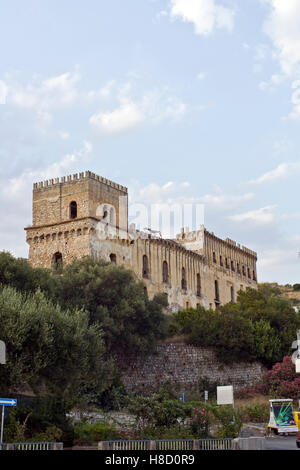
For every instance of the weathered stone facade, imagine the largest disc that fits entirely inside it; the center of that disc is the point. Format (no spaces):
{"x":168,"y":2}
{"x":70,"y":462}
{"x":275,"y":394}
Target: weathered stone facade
{"x":184,"y":367}
{"x":87,"y":215}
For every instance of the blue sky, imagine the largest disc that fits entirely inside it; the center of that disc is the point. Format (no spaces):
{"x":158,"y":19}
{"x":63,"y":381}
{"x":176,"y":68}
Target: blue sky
{"x":193,"y":101}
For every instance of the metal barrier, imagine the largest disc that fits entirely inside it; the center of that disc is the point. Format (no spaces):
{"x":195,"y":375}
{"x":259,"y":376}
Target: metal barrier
{"x":215,"y":444}
{"x":33,"y":446}
{"x":174,"y":444}
{"x":168,"y":444}
{"x":128,"y":445}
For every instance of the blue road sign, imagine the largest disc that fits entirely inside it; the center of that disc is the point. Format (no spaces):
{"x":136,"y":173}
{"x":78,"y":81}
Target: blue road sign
{"x":8,"y":401}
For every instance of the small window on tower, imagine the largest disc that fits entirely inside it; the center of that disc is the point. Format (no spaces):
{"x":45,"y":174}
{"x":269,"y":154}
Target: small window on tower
{"x":57,"y":261}
{"x":73,"y":210}
{"x":113,"y":258}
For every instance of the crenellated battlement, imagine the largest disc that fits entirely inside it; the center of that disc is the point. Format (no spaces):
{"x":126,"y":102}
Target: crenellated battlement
{"x":231,"y":243}
{"x":75,"y":178}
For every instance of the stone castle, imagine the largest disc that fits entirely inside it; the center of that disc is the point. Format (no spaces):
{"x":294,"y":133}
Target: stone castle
{"x":87,"y":215}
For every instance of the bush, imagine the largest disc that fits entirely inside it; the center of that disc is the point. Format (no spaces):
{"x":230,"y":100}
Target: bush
{"x":160,"y":410}
{"x":51,"y":434}
{"x":229,"y":420}
{"x":255,"y":414}
{"x":42,"y":418}
{"x":88,"y":434}
{"x":199,"y":422}
{"x":260,"y":326}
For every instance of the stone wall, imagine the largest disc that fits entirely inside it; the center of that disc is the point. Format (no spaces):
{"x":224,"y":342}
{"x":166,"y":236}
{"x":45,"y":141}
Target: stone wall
{"x":184,"y":366}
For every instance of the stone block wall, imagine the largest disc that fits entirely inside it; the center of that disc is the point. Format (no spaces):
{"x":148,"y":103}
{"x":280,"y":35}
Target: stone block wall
{"x":184,"y":366}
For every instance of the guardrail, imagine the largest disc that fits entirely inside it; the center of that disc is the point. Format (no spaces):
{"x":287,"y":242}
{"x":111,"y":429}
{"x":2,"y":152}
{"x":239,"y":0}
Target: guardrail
{"x":174,"y":444}
{"x":125,"y":445}
{"x":215,"y":444}
{"x":168,"y":444}
{"x":33,"y":446}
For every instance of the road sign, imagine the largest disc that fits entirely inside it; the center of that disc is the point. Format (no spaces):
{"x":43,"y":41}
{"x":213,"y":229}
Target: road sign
{"x":205,"y":395}
{"x":225,"y":395}
{"x":8,"y":401}
{"x":5,"y":402}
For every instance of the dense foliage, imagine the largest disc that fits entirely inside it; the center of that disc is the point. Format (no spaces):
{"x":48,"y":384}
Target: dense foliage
{"x":113,"y":299}
{"x":260,"y":326}
{"x":63,"y":330}
{"x":48,"y":347}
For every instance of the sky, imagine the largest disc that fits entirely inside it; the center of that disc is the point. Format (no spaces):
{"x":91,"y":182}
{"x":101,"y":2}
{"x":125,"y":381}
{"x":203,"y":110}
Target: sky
{"x":182,"y":101}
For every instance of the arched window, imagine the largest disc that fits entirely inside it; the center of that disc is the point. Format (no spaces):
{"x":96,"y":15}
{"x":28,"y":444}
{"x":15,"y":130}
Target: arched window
{"x":198,"y":285}
{"x":145,"y":271}
{"x":73,"y":210}
{"x":214,"y":257}
{"x":232,"y":294}
{"x":165,"y":273}
{"x":57,"y":261}
{"x":217,"y":296}
{"x":183,"y":280}
{"x":254,"y":276}
{"x":113,"y":258}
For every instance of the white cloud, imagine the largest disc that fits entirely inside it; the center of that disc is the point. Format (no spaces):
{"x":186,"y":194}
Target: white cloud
{"x":17,"y":185}
{"x":126,"y":116}
{"x":282,"y":27}
{"x":282,"y":171}
{"x":42,"y":96}
{"x":104,"y":92}
{"x":261,"y":216}
{"x":222,"y":201}
{"x":206,"y":15}
{"x":152,"y":107}
{"x":47,"y":94}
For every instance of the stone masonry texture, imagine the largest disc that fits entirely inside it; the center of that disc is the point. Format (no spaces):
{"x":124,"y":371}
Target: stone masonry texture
{"x":184,"y":367}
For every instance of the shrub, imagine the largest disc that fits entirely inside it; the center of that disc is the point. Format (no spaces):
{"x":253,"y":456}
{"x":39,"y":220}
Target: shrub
{"x":199,"y":422}
{"x":255,"y":414}
{"x":229,"y":420}
{"x":85,"y":433}
{"x":51,"y":434}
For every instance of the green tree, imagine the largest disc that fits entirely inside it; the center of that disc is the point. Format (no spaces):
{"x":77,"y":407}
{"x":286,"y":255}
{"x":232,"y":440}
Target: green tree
{"x":131,"y":323}
{"x":47,"y":345}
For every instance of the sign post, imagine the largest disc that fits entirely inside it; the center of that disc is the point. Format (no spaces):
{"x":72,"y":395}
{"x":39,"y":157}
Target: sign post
{"x":5,"y":402}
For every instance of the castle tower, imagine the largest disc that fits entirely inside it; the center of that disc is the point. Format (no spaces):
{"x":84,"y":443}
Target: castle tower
{"x":65,"y":216}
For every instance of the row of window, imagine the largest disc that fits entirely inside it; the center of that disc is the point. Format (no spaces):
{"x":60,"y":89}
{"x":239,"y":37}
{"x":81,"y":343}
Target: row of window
{"x":165,"y":275}
{"x":232,"y":267}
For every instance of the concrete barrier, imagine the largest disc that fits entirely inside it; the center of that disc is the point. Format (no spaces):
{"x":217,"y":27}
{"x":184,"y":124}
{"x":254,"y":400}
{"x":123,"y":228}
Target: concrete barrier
{"x":249,"y":443}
